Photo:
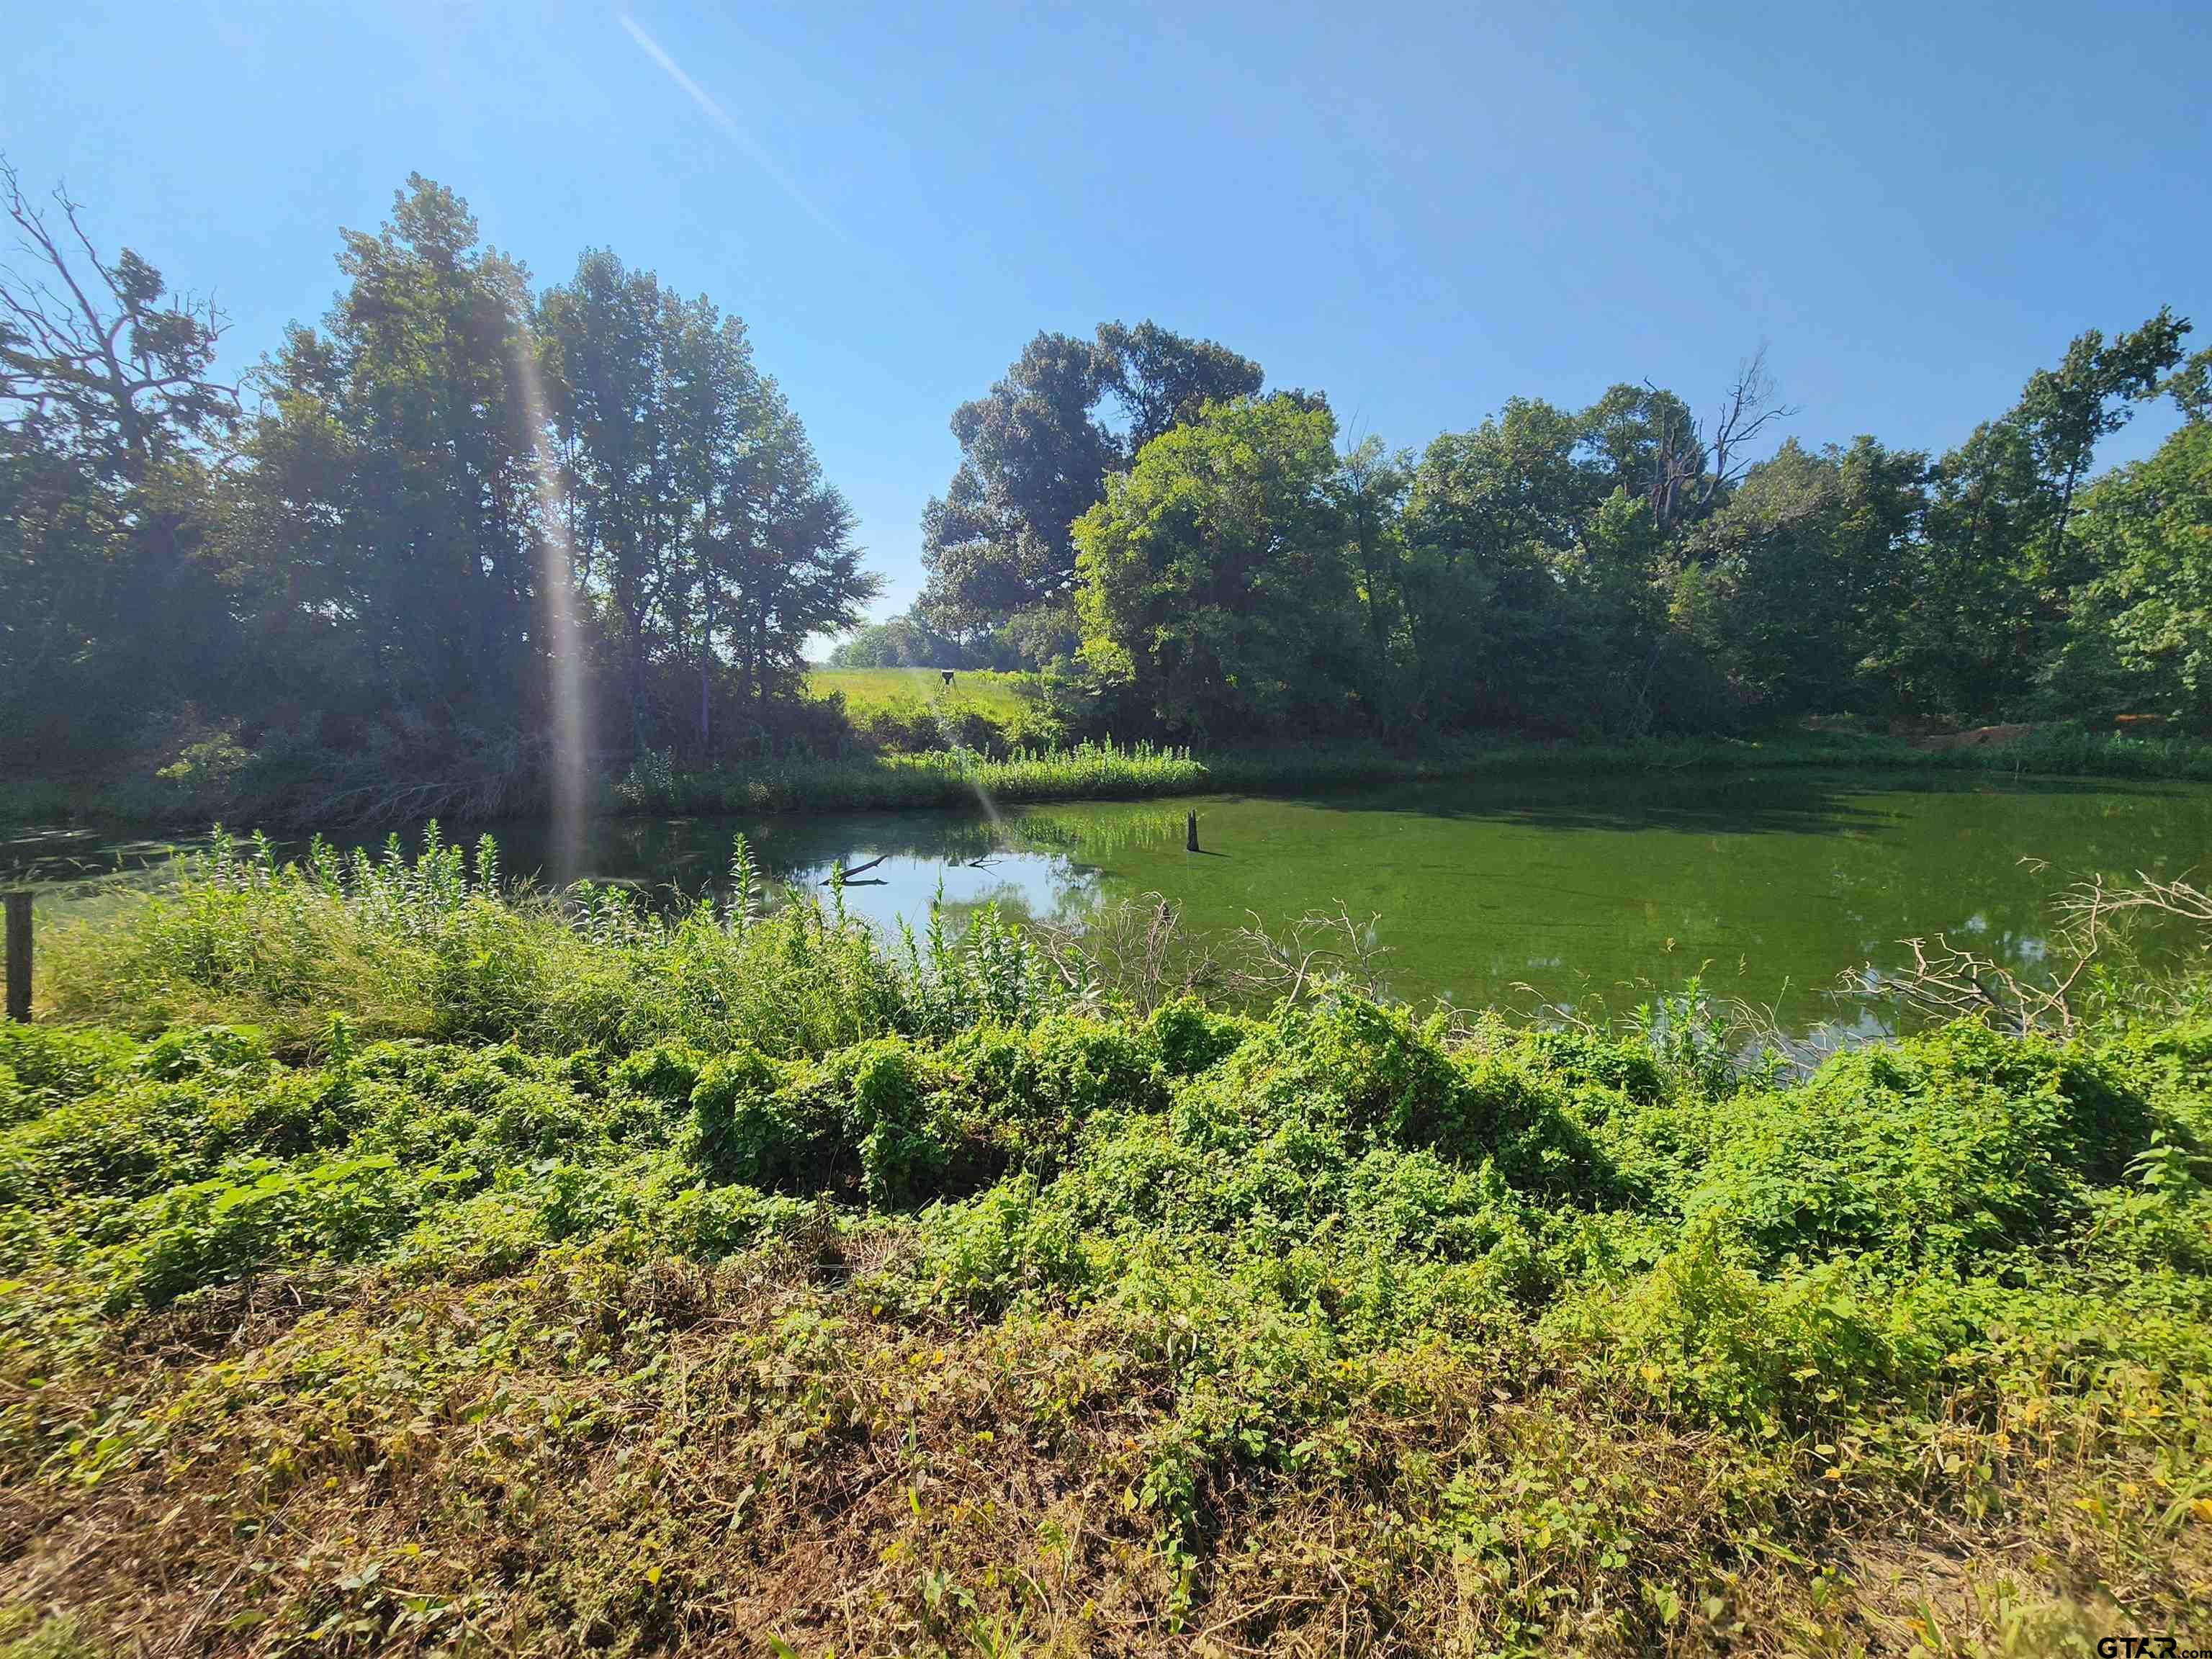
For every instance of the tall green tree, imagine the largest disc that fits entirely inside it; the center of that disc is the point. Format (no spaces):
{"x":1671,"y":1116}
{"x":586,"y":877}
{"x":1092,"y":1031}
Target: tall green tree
{"x":2147,"y":612}
{"x":639,"y":391}
{"x":1782,"y":586}
{"x":2090,"y":395}
{"x":1035,"y":451}
{"x":390,"y":508}
{"x":1489,"y":515}
{"x":779,"y":567}
{"x":705,"y":531}
{"x":1162,"y":378}
{"x":1215,"y":575}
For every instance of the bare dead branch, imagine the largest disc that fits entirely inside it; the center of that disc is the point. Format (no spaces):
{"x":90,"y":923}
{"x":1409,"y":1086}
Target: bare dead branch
{"x":1691,"y":466}
{"x":121,"y":369}
{"x":1948,"y":981}
{"x":1321,"y":950}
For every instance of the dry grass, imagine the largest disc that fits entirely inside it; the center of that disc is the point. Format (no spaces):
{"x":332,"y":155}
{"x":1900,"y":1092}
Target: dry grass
{"x":600,"y":1457}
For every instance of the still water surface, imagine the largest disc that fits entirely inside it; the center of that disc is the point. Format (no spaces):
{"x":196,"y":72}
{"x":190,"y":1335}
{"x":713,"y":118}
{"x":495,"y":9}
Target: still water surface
{"x":1586,"y":893}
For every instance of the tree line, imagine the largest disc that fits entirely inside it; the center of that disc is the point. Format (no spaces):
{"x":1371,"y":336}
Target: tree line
{"x":363,"y":549}
{"x":359,"y":549}
{"x":1216,"y":562}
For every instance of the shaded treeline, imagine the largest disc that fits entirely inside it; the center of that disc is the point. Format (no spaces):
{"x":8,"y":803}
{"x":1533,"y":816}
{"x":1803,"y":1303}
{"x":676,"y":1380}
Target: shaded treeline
{"x":343,"y":570}
{"x":351,"y":557}
{"x":1626,"y":567}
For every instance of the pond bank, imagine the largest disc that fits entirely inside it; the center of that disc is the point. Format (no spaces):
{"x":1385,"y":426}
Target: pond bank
{"x":1103,"y":771}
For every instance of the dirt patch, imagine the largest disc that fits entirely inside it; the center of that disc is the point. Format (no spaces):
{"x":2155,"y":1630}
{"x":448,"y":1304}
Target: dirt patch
{"x":1982,"y":737}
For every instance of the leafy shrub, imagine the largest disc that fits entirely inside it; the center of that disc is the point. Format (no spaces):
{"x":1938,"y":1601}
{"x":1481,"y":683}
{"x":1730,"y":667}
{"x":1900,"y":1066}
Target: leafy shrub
{"x":1950,"y":1146}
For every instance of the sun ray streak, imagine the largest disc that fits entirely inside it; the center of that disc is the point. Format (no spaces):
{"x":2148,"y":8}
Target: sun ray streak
{"x":564,"y":636}
{"x":753,"y":148}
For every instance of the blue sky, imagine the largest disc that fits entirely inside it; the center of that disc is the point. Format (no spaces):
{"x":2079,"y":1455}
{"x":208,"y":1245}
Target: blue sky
{"x":1421,"y":209}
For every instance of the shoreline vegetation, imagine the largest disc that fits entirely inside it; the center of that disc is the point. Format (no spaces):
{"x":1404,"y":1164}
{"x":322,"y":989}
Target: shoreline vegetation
{"x":935,"y":779}
{"x":399,"y":1261}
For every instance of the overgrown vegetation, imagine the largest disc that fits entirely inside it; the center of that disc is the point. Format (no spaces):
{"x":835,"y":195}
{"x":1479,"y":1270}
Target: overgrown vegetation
{"x":1238,"y":573}
{"x":398,"y":1262}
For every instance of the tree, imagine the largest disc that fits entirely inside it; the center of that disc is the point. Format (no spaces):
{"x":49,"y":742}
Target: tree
{"x":707,"y":532}
{"x":391,"y":504}
{"x":1369,"y":492}
{"x":1979,"y":613}
{"x":111,"y":425}
{"x":1163,"y":379}
{"x":906,"y":641}
{"x":638,"y":389}
{"x":2090,"y":395}
{"x":2191,"y":387}
{"x":780,"y":565}
{"x":1035,"y":453}
{"x":94,"y":355}
{"x":1650,"y":444}
{"x":1215,"y":579}
{"x":2148,"y":531}
{"x":1784,"y":584}
{"x":1488,"y":514}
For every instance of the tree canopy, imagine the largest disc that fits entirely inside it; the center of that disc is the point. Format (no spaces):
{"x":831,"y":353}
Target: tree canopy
{"x":372,"y":555}
{"x":1035,"y":451}
{"x":363,"y":557}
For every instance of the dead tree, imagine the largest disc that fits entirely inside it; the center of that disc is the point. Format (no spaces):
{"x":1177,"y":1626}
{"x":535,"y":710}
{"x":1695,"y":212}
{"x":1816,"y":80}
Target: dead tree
{"x":92,"y":352}
{"x":1691,"y":464}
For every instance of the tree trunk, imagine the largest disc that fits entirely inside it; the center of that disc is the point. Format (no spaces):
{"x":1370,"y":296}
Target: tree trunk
{"x":706,"y":664}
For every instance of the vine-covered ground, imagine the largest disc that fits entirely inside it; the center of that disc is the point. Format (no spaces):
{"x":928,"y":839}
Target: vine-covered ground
{"x":396,"y":1262}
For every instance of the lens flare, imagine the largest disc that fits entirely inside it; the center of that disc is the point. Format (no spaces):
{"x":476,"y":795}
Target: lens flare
{"x":564,"y":635}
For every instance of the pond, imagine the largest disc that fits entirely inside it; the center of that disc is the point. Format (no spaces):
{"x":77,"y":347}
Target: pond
{"x":1590,"y":893}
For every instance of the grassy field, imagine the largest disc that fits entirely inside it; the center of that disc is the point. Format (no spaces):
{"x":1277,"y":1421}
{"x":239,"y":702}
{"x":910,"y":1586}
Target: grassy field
{"x":997,"y":694}
{"x":396,"y":1265}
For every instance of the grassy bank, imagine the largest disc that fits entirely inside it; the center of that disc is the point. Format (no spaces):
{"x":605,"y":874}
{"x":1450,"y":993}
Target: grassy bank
{"x":1113,"y":772}
{"x":1099,"y":771}
{"x":396,"y":1265}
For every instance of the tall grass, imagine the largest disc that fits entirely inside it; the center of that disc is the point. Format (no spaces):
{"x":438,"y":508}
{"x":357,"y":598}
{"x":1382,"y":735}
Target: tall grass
{"x":1088,"y":771}
{"x":281,"y":797}
{"x":438,"y":946}
{"x":999,"y":694}
{"x":1111,"y":771}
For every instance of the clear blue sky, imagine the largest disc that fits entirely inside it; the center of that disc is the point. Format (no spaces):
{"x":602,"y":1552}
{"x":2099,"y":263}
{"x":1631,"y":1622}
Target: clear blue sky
{"x":1421,"y":209}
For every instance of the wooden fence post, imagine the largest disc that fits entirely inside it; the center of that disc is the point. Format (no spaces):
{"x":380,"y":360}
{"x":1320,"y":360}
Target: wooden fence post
{"x":19,"y":957}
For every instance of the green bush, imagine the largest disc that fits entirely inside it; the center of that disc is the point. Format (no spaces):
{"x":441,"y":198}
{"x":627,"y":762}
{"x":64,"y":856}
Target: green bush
{"x":1954,"y":1146}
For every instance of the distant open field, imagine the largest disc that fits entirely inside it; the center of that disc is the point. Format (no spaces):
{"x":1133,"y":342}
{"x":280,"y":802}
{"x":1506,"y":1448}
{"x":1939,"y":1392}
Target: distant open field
{"x":996,"y":694}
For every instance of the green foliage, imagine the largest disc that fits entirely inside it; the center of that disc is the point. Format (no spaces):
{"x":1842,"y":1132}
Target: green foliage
{"x":1035,"y":456}
{"x":2145,"y":617}
{"x":739,"y":1215}
{"x":663,"y":420}
{"x":1214,"y":574}
{"x":370,"y":557}
{"x":864,"y":687}
{"x":940,"y":776}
